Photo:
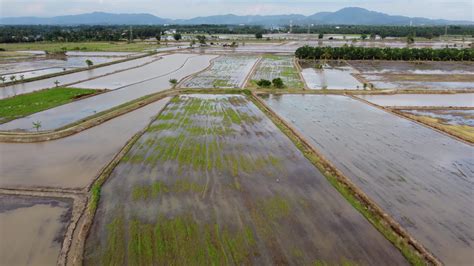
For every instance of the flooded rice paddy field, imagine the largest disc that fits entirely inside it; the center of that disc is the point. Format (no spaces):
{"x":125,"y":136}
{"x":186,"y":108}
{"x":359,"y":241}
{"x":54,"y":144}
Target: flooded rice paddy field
{"x":431,"y":100}
{"x":74,"y":161}
{"x":32,"y":229}
{"x":38,"y":66}
{"x":407,"y":67}
{"x":27,"y":87}
{"x":271,"y":67}
{"x":162,"y":67}
{"x":213,"y":181}
{"x":447,"y":116}
{"x":226,"y":72}
{"x":333,"y":76}
{"x":176,"y":66}
{"x":417,"y":75}
{"x":421,"y":177}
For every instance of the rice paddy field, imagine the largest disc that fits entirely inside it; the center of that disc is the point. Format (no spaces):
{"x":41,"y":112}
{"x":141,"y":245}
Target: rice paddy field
{"x":27,"y":87}
{"x":417,"y":75}
{"x":175,"y":163}
{"x":175,"y":66}
{"x":72,"y":162}
{"x":226,"y":71}
{"x":424,"y":100}
{"x":32,"y":229}
{"x":213,"y":181}
{"x":421,"y":177}
{"x":271,"y":67}
{"x":331,"y":75}
{"x":43,"y":65}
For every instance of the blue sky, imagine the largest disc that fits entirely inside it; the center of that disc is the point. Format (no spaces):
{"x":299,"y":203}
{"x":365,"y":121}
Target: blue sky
{"x":447,"y":9}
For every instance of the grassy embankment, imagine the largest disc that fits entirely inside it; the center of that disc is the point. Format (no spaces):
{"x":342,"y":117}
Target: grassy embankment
{"x":81,"y":46}
{"x":30,"y":103}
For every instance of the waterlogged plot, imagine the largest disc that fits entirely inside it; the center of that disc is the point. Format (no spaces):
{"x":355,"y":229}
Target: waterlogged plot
{"x":74,"y":161}
{"x":271,"y":67}
{"x":430,"y":100}
{"x":32,"y":229}
{"x":417,"y":75}
{"x":332,"y":76}
{"x":459,"y":123}
{"x":214,"y":182}
{"x":421,"y":177}
{"x":176,"y":66}
{"x":40,"y":65}
{"x":226,"y":72}
{"x":446,"y":116}
{"x":27,"y":87}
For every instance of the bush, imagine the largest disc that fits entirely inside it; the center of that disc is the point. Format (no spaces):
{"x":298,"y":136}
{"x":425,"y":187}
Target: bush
{"x":173,"y":81}
{"x":278,"y":83}
{"x":264,"y":83}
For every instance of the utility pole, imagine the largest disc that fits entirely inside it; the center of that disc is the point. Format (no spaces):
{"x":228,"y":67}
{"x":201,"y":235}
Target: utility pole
{"x":131,"y":34}
{"x":291,"y":26}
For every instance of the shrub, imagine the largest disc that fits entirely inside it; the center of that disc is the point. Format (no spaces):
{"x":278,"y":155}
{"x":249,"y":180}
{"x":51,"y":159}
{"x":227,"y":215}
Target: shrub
{"x":278,"y":83}
{"x":264,"y":83}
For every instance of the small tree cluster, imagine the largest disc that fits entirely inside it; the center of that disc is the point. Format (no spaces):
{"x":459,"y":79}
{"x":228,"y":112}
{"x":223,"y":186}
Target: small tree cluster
{"x":276,"y":82}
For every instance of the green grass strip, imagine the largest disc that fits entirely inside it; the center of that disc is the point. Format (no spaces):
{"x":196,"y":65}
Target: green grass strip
{"x":30,"y":103}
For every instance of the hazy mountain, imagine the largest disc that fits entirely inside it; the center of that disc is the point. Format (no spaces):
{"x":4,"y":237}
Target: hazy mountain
{"x":349,"y":15}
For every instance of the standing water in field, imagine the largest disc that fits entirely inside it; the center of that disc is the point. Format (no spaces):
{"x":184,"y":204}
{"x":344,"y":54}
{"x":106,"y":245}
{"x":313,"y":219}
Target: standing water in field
{"x":214,"y":182}
{"x":330,"y":76}
{"x":32,"y":229}
{"x":419,"y":176}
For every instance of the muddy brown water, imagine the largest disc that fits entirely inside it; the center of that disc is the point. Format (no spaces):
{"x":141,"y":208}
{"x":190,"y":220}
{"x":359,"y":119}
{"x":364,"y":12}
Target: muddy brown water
{"x":424,"y":179}
{"x":214,"y":181}
{"x":438,"y":100}
{"x":74,"y":161}
{"x":32,"y":229}
{"x":176,"y":66}
{"x":27,"y":87}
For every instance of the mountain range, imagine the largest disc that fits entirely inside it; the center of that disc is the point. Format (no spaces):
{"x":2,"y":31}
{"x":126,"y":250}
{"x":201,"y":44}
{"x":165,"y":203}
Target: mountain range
{"x":345,"y":16}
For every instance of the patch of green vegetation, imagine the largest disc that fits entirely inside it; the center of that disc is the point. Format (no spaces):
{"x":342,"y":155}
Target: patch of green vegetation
{"x":114,"y":251}
{"x":177,"y":241}
{"x":271,"y":57}
{"x":221,"y":83}
{"x":140,"y":243}
{"x":30,"y":103}
{"x":95,"y":197}
{"x":275,"y":208}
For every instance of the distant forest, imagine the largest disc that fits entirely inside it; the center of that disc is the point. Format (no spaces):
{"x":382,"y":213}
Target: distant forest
{"x":14,"y":34}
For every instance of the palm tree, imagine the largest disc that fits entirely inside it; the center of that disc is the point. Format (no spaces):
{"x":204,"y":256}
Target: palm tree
{"x":12,"y":78}
{"x":56,"y":82}
{"x":37,"y":125}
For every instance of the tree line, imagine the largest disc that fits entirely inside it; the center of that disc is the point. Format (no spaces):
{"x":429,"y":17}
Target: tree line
{"x":33,"y":33}
{"x":428,"y":32}
{"x":364,"y":53}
